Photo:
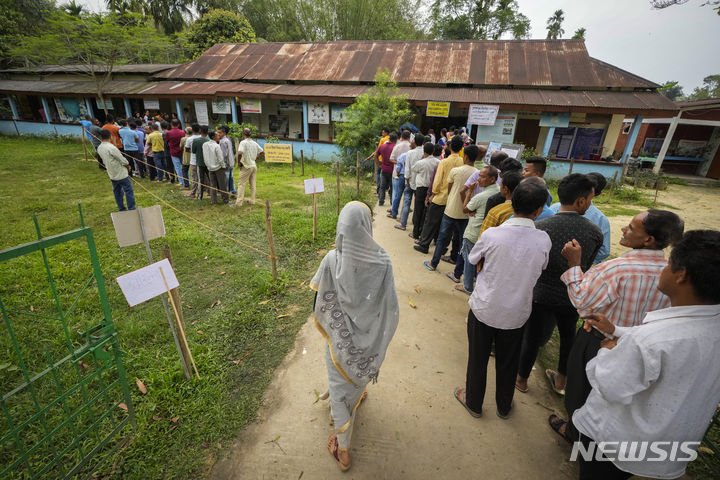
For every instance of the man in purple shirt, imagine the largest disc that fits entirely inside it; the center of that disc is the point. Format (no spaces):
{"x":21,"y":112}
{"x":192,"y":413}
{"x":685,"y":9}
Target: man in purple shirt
{"x":509,"y":260}
{"x":387,"y":167}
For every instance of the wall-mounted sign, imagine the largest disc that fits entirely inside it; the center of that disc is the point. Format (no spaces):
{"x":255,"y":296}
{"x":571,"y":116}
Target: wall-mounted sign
{"x":70,"y":109}
{"x":250,"y":105}
{"x":278,"y":152}
{"x":319,"y":113}
{"x":438,"y":109}
{"x":555,"y":119}
{"x":337,"y":112}
{"x":201,"y":112}
{"x":151,"y":103}
{"x":108,"y":104}
{"x":482,"y":114}
{"x":221,"y":105}
{"x":289,"y":106}
{"x":503,"y":130}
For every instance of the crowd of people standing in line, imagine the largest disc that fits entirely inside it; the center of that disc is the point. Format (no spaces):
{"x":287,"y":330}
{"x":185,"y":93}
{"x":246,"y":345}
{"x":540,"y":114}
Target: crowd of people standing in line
{"x":629,"y":373}
{"x":198,"y":159}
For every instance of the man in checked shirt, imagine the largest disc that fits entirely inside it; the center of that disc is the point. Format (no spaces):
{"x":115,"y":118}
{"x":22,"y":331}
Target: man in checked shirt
{"x":623,"y":289}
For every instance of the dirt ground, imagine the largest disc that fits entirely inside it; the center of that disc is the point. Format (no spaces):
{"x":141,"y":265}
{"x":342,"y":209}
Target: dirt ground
{"x":411,"y":426}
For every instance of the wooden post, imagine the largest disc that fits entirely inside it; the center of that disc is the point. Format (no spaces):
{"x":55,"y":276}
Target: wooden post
{"x":83,"y":142}
{"x":338,"y":187}
{"x":302,"y":163}
{"x":271,"y":240}
{"x":572,"y":164}
{"x":292,"y":163}
{"x":178,"y":319}
{"x":624,"y":170}
{"x":357,"y":172}
{"x":614,"y":186}
{"x":314,"y":212}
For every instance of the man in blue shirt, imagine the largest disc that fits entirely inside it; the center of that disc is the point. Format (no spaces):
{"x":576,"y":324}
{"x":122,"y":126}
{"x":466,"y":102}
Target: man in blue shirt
{"x":130,"y":147}
{"x":87,"y":123}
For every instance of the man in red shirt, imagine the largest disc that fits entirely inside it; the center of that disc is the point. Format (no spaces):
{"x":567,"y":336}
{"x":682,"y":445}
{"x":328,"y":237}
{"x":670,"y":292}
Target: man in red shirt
{"x":114,"y":132}
{"x":173,"y":137}
{"x":386,"y":168}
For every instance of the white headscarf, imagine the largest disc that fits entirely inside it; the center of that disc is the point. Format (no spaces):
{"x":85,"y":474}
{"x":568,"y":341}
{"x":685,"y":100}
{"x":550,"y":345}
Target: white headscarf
{"x":356,"y":309}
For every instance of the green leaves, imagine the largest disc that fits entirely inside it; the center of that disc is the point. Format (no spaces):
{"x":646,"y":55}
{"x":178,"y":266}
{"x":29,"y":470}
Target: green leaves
{"x":218,"y":26}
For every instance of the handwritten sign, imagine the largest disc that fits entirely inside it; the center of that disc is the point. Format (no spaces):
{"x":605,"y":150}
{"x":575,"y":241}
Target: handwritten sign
{"x":127,"y":225}
{"x":438,"y":109}
{"x":314,"y":185}
{"x":482,"y":114}
{"x":151,"y":103}
{"x":147,"y":282}
{"x":278,"y":153}
{"x":201,"y":112}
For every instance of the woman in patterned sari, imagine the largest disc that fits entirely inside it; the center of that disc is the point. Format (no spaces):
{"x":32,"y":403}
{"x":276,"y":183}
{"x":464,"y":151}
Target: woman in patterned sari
{"x":356,"y":310}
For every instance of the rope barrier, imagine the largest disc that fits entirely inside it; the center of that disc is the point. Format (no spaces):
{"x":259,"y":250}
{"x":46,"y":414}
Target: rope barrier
{"x":164,"y":202}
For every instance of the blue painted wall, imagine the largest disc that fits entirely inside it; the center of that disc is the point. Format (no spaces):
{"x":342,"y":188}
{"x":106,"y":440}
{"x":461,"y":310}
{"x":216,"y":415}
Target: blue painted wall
{"x":557,"y":169}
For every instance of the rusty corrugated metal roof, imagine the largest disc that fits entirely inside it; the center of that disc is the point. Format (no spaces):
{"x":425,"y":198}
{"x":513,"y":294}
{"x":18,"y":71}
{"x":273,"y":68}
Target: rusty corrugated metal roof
{"x":42,"y":87}
{"x":129,"y":68}
{"x":558,"y":63}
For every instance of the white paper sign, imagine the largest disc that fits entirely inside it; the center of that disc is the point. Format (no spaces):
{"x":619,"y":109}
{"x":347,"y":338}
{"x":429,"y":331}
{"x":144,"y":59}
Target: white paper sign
{"x":221,"y":105}
{"x":314,"y":185}
{"x":147,"y":282}
{"x":201,"y":112}
{"x":151,"y":103}
{"x":127,"y":225}
{"x":482,"y":114}
{"x":319,"y":113}
{"x":250,"y":105}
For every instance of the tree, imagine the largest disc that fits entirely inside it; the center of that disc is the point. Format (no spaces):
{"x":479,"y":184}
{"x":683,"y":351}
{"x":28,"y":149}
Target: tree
{"x":554,"y":25}
{"x":18,"y":18}
{"x":579,"y":33}
{"x":660,"y":4}
{"x":73,"y":8}
{"x":477,"y":19}
{"x":218,"y":26}
{"x":95,"y":42}
{"x":380,"y":107}
{"x":671,"y":90}
{"x":710,"y":89}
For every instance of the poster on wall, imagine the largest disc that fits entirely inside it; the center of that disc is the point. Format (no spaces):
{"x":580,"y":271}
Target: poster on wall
{"x":438,"y":109}
{"x":108,"y":104}
{"x":221,"y":105}
{"x":555,"y":119}
{"x":482,"y":114}
{"x":151,"y":103}
{"x":201,"y":112}
{"x":70,"y":109}
{"x":250,"y":105}
{"x":319,"y":113}
{"x":285,"y":106}
{"x":279,"y":125}
{"x":503,"y":130}
{"x":337,"y":113}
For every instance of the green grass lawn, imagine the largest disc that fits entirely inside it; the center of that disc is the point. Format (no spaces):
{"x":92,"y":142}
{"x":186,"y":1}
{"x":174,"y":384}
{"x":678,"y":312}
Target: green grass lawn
{"x":237,"y":343}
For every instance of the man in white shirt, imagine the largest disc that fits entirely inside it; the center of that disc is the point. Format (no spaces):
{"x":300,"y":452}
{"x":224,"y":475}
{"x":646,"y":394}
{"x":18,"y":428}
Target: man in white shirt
{"x":509,"y":260}
{"x":411,"y":157}
{"x":403,"y":146}
{"x":195,"y":174}
{"x":421,"y":173}
{"x":216,"y":165}
{"x":227,"y":149}
{"x":660,"y":381}
{"x":248,"y":152}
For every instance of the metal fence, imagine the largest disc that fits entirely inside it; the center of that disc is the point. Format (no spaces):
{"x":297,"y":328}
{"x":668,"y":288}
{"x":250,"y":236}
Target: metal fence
{"x":65,"y":397}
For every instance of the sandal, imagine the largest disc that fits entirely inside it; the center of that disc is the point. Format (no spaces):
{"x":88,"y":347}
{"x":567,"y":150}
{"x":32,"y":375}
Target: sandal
{"x":461,"y":288}
{"x":333,"y":448}
{"x":556,"y":423}
{"x":427,"y":265}
{"x":521,"y":390}
{"x":451,"y":276}
{"x":550,"y":374}
{"x":461,"y":391}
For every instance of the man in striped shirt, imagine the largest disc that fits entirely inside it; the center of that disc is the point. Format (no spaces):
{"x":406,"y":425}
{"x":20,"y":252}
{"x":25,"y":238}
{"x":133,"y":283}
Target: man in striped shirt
{"x":623,"y":289}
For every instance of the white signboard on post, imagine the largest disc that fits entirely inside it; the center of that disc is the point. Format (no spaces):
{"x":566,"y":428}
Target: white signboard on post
{"x":127,"y":225}
{"x":151,"y":103}
{"x":482,"y":114}
{"x":201,"y":112}
{"x":319,"y":113}
{"x":147,"y":282}
{"x":221,"y":105}
{"x":314,"y":185}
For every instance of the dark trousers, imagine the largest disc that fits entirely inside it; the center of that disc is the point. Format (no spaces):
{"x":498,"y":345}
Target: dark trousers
{"x":169,"y":167}
{"x":585,"y":348}
{"x":431,"y":227}
{"x":419,"y":211}
{"x":120,"y":188}
{"x":451,"y":229}
{"x":218,"y":180}
{"x":507,"y":353}
{"x":204,"y":180}
{"x":186,"y":175}
{"x":139,"y":167}
{"x":539,"y":328}
{"x":599,"y":470}
{"x":385,"y":186}
{"x":152,"y":173}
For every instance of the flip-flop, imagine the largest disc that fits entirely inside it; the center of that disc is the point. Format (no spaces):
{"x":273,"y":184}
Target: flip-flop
{"x":333,"y":449}
{"x":427,"y":265}
{"x":461,"y":391}
{"x":550,"y":374}
{"x":451,"y":276}
{"x":556,"y":423}
{"x":521,"y":390}
{"x":461,"y":288}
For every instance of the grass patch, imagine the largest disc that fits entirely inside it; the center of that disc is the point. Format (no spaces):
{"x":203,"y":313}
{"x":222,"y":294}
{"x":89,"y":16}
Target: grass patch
{"x":236,"y":344}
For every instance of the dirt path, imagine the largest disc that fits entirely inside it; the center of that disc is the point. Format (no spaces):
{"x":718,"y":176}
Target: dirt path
{"x":410,"y":426}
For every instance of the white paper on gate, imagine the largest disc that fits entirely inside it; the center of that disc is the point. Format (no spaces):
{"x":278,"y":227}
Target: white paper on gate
{"x":314,"y":185}
{"x":147,"y":282}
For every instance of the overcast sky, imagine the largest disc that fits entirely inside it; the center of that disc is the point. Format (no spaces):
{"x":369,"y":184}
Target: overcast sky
{"x":677,"y":43}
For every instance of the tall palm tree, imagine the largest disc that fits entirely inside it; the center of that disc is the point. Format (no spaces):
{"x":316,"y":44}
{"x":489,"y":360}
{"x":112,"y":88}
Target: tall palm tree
{"x":73,"y":8}
{"x":168,"y":15}
{"x":554,"y":25}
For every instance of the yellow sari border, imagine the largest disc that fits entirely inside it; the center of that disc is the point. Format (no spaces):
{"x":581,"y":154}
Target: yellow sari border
{"x":313,"y":286}
{"x":332,"y":355}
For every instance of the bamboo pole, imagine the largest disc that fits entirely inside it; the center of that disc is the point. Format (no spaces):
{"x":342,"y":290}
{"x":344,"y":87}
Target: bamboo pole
{"x":83,"y":142}
{"x":572,"y":164}
{"x":302,"y":163}
{"x":271,"y":240}
{"x":314,"y":212}
{"x":338,"y":187}
{"x":624,"y":170}
{"x":357,"y":174}
{"x":614,"y":186}
{"x":174,"y":295}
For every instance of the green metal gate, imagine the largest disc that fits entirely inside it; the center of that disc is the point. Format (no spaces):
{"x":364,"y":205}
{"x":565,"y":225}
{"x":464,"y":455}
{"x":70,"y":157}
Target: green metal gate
{"x":65,"y":397}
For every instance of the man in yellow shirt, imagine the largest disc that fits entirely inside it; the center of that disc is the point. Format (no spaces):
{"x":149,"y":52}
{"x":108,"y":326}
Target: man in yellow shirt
{"x":156,"y":142}
{"x":439,"y":196}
